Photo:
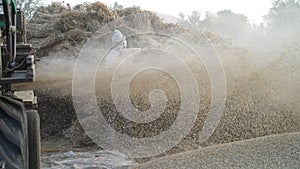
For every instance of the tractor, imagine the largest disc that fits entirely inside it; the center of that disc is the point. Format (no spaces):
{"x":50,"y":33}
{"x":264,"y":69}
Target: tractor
{"x":19,"y":118}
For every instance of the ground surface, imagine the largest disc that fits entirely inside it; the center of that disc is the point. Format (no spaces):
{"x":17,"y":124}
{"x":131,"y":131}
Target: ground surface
{"x":276,"y":151}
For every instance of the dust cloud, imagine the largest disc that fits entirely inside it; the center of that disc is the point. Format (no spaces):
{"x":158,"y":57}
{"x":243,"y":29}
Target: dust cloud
{"x":261,"y":65}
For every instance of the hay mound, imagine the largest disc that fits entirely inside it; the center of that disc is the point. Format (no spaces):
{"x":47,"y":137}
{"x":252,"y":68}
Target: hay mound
{"x":55,"y":27}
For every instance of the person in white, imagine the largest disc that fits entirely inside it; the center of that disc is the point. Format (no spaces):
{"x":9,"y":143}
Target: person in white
{"x":118,"y":44}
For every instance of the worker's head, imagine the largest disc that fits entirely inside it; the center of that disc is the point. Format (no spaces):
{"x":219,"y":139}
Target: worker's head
{"x":118,"y":39}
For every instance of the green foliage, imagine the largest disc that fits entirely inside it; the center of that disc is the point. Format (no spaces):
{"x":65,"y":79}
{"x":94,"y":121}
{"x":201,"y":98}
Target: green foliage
{"x":284,"y":13}
{"x":28,"y":6}
{"x":117,"y":6}
{"x":225,"y":22}
{"x":181,"y":16}
{"x":194,"y":18}
{"x":277,"y":5}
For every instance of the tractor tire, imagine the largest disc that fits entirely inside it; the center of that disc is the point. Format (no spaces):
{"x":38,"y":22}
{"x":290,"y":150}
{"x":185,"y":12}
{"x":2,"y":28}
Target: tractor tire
{"x":13,"y":133}
{"x":34,"y":139}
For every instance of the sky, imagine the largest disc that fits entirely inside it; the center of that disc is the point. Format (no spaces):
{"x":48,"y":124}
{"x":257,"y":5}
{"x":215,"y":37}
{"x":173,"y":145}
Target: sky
{"x":253,"y":9}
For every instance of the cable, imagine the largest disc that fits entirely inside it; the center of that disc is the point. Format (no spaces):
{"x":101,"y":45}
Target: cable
{"x":14,"y":68}
{"x":19,"y":65}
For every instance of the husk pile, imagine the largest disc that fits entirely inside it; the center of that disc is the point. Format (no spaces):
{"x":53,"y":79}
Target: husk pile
{"x":250,"y":110}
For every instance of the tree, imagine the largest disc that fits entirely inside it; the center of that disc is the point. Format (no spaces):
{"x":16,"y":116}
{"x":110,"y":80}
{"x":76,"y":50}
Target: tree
{"x":227,"y":24}
{"x":280,"y":4}
{"x":181,"y":16}
{"x":283,"y":23}
{"x":117,"y":6}
{"x":284,"y":14}
{"x":194,"y":18}
{"x":28,"y":7}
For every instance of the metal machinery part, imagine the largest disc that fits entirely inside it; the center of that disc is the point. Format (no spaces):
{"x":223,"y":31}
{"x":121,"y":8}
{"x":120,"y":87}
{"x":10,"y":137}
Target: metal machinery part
{"x":19,"y":119}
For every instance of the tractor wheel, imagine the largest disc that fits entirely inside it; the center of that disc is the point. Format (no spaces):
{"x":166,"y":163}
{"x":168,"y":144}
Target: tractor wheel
{"x":13,"y":133}
{"x":34,"y":139}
